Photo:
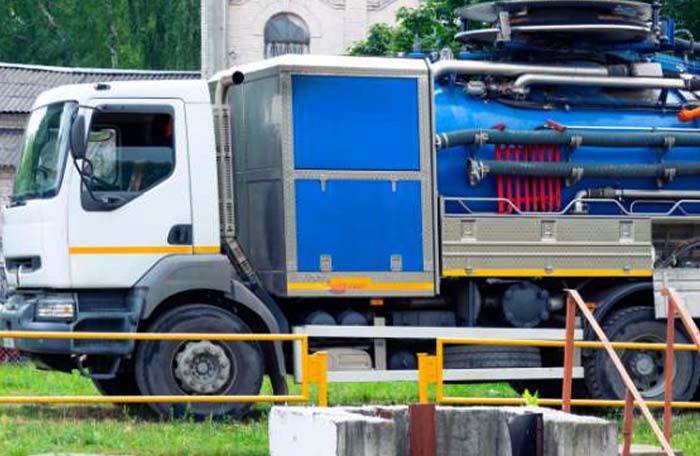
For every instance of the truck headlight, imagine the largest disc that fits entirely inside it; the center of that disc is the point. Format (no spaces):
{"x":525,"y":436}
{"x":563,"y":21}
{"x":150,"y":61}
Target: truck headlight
{"x":55,"y":309}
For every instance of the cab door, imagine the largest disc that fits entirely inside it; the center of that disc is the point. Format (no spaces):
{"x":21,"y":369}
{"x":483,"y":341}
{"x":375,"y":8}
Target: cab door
{"x":134,"y":208}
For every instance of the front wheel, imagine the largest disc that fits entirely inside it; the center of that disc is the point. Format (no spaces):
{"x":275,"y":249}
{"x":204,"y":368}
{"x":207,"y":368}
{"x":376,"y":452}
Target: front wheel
{"x":199,"y":367}
{"x":646,"y":368}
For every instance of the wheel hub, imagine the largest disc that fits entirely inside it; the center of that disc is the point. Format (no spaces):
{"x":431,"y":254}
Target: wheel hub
{"x":202,"y":367}
{"x":647,"y":371}
{"x":644,"y":365}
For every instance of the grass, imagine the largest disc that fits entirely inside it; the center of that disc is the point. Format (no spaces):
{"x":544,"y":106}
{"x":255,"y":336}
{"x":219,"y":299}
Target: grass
{"x":26,"y":430}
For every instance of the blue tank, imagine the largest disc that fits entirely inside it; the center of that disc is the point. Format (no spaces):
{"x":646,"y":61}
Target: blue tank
{"x":457,"y":110}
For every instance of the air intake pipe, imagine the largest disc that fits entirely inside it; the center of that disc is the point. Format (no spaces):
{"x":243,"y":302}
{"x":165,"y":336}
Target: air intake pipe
{"x":477,"y":67}
{"x":567,"y":138}
{"x":524,"y":82}
{"x":480,"y":169}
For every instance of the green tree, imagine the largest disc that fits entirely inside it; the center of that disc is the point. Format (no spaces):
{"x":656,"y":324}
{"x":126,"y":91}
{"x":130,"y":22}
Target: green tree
{"x":686,"y":13}
{"x":430,"y":26}
{"x":153,"y":34}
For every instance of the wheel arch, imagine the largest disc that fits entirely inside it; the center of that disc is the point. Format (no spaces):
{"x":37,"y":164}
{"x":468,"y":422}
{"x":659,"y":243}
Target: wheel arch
{"x":619,"y":297}
{"x":178,"y":280}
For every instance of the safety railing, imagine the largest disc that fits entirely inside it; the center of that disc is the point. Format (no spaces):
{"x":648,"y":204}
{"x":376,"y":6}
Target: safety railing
{"x":430,"y":369}
{"x":313,"y":367}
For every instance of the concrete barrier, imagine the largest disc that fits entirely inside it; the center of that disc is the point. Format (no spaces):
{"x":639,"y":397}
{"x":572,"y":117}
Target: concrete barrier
{"x":463,"y":431}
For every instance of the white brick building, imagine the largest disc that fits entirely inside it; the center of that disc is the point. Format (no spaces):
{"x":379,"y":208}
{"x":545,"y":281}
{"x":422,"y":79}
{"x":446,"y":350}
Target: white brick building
{"x":255,"y":29}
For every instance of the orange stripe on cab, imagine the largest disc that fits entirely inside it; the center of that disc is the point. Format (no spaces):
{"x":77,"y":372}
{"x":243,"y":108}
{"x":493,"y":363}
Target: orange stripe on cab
{"x":144,"y":250}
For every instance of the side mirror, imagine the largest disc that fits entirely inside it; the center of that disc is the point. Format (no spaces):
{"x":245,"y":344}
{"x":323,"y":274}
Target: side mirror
{"x":78,"y":137}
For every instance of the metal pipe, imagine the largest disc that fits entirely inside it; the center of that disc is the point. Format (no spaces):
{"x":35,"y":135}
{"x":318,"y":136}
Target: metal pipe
{"x":607,"y":193}
{"x":479,"y":169}
{"x":474,"y":67}
{"x":524,"y":82}
{"x":226,"y":81}
{"x":567,"y":138}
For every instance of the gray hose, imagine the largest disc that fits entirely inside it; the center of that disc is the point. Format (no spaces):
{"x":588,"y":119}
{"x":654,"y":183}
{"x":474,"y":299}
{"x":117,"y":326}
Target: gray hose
{"x":479,"y":169}
{"x":567,"y":138}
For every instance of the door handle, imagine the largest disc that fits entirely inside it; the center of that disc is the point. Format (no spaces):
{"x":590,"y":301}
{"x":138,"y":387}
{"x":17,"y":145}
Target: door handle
{"x":180,"y":235}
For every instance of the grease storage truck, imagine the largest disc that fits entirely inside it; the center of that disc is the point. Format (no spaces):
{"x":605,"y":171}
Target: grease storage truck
{"x":373,"y":203}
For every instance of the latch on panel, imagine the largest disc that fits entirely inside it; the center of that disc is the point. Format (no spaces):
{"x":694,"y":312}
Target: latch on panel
{"x":326,"y":263}
{"x":396,"y":263}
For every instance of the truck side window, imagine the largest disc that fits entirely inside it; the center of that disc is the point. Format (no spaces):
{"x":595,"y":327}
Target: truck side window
{"x":128,"y":154}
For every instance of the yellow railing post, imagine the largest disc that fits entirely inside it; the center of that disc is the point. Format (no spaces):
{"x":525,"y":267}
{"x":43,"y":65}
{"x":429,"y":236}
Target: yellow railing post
{"x":427,"y":370}
{"x":318,"y":374}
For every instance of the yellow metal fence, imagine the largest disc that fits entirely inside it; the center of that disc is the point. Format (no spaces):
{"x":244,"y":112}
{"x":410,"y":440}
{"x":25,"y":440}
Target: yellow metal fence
{"x":313,"y":366}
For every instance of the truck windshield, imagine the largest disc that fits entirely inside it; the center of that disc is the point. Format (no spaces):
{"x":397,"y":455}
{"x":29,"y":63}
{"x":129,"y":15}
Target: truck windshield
{"x":44,"y":152}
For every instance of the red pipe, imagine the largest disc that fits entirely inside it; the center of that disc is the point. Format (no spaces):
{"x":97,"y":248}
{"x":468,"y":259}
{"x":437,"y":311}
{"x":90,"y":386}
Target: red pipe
{"x":499,"y":181}
{"x":550,"y":180}
{"x":518,"y":201}
{"x":535,"y":190}
{"x":526,"y":157}
{"x":543,"y":188}
{"x":509,"y":182}
{"x":557,"y":158}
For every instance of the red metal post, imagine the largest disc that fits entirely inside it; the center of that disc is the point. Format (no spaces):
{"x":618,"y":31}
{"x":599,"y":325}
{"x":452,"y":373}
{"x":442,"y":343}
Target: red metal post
{"x":421,"y":419}
{"x":628,"y":423}
{"x":569,"y":353}
{"x":685,"y":316}
{"x":668,"y":367}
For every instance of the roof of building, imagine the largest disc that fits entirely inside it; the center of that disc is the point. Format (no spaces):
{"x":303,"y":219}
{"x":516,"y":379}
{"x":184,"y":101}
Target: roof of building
{"x":21,"y":84}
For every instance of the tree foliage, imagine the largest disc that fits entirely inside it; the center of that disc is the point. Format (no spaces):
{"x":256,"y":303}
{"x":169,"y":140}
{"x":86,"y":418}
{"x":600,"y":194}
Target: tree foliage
{"x":152,"y":34}
{"x":432,"y":26}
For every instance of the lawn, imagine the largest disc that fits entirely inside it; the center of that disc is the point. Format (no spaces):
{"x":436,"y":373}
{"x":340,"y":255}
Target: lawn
{"x":40,"y":429}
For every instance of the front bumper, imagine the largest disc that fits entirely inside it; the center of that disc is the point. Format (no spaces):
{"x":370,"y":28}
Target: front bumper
{"x":103,"y":311}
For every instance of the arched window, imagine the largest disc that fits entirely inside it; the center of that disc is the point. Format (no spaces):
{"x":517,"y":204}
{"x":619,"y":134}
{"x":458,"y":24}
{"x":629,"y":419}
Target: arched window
{"x":286,"y":33}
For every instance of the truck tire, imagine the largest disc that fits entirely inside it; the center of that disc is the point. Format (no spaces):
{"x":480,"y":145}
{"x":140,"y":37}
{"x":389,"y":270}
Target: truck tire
{"x":199,"y":367}
{"x":638,"y":324}
{"x":490,"y":357}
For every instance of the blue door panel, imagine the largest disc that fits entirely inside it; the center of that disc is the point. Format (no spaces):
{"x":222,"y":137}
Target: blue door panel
{"x":360,"y":224}
{"x":355,"y":123}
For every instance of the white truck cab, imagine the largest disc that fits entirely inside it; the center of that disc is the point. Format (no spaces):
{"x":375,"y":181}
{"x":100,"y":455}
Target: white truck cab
{"x":148,"y":142}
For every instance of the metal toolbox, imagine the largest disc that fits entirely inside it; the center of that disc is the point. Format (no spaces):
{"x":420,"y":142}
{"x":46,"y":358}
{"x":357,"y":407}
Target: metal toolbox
{"x":333,"y":164}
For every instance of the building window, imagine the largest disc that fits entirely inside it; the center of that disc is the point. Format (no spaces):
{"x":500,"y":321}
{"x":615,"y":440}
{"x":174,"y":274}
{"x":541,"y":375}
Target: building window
{"x":286,"y":33}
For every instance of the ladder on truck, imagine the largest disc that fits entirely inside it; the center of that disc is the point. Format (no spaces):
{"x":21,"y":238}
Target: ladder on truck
{"x":232,"y":248}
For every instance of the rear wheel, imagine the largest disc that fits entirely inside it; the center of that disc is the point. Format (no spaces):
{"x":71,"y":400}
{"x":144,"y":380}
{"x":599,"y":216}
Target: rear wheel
{"x":638,"y":324}
{"x":199,"y":367}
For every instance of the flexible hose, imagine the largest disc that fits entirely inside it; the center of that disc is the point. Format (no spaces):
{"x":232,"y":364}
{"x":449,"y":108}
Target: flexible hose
{"x":567,"y":138}
{"x":479,"y":169}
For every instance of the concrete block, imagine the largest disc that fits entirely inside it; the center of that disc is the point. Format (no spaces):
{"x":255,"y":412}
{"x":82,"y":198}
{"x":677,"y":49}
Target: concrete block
{"x":460,"y":431}
{"x":329,"y":432}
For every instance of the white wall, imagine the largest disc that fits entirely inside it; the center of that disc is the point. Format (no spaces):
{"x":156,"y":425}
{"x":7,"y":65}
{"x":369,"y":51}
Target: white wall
{"x":334,"y":25}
